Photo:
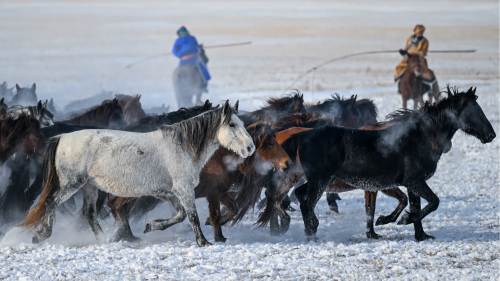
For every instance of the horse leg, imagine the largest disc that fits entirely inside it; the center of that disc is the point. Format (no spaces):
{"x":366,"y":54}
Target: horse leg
{"x":162,"y":224}
{"x":214,"y":209}
{"x":284,"y":217}
{"x":120,"y":208}
{"x":370,"y":203}
{"x":416,"y":215}
{"x":91,"y":194}
{"x":403,"y":202}
{"x":308,"y":195}
{"x":405,"y":101}
{"x":231,"y":208}
{"x":43,"y":229}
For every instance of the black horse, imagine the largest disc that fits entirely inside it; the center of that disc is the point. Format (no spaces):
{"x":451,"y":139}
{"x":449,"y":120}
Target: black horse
{"x":404,"y":154}
{"x":276,"y":108}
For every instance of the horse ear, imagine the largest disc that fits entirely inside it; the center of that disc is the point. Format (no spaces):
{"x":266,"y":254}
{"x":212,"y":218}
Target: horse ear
{"x":1,"y":101}
{"x":282,"y":136}
{"x":18,"y":88}
{"x":33,"y":87}
{"x":45,"y":103}
{"x":39,"y":104}
{"x":226,"y":109}
{"x":236,"y":106}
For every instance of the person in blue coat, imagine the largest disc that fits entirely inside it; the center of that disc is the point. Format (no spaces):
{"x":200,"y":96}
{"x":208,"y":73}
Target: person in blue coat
{"x":187,"y":49}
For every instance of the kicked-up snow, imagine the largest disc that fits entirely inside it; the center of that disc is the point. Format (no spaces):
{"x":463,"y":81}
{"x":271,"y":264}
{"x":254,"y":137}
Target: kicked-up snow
{"x":75,"y":49}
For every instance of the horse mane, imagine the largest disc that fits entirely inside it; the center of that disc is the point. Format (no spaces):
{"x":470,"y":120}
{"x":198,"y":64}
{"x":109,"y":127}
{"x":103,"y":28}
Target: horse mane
{"x":193,"y":134}
{"x":452,"y":102}
{"x":282,"y":102}
{"x":105,"y":108}
{"x":11,"y":128}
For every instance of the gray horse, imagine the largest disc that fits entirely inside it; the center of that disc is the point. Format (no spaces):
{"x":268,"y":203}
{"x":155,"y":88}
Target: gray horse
{"x":188,"y":83}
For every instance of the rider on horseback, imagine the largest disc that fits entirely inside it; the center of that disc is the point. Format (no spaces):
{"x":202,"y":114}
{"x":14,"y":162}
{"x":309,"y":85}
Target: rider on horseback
{"x":416,"y":44}
{"x":187,"y":49}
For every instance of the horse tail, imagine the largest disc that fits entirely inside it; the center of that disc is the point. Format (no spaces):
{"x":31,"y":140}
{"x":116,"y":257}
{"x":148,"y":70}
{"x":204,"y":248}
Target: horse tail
{"x":267,"y":213}
{"x":248,"y":195}
{"x":50,"y":185}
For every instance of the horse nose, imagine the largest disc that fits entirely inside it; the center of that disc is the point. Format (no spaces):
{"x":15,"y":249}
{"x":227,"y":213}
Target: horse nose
{"x":492,"y":136}
{"x":250,"y":148}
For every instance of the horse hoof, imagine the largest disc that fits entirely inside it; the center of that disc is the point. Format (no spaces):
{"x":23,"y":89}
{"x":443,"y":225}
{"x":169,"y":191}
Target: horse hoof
{"x":35,"y":240}
{"x":424,"y":236}
{"x":383,"y":220}
{"x":203,"y":243}
{"x":312,"y":238}
{"x":221,"y":239}
{"x":372,"y":235}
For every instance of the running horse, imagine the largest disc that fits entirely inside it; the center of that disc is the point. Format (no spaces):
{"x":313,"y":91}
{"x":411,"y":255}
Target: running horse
{"x":405,"y":153}
{"x":20,"y":134}
{"x":116,"y":162}
{"x":412,"y":85}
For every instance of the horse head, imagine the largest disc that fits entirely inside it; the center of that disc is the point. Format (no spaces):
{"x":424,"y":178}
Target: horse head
{"x":469,"y":115}
{"x":232,"y":134}
{"x":44,"y":115}
{"x":267,"y":147}
{"x":25,"y":95}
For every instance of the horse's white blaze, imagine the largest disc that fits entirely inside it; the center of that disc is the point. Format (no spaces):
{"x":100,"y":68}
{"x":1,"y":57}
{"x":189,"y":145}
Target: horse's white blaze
{"x":235,"y":137}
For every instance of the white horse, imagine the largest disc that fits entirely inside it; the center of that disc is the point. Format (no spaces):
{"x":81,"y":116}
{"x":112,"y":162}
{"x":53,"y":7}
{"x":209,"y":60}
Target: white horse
{"x":165,"y":164}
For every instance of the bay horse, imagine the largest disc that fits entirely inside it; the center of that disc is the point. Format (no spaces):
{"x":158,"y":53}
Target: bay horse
{"x":404,"y":154}
{"x":21,"y":134}
{"x":165,"y":164}
{"x":223,"y":172}
{"x":132,"y":108}
{"x":411,"y":85}
{"x":107,"y":115}
{"x":188,"y":84}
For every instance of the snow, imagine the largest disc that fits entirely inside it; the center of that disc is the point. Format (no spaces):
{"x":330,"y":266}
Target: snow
{"x":76,"y":49}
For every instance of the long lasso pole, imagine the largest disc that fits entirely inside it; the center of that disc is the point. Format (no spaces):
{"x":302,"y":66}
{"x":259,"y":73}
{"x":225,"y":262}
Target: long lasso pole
{"x":318,"y":66}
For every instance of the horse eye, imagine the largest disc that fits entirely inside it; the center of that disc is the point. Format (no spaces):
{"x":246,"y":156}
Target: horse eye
{"x":232,"y":125}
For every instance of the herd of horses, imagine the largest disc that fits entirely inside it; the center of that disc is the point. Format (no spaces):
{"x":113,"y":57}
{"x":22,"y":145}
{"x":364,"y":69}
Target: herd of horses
{"x":123,"y":162}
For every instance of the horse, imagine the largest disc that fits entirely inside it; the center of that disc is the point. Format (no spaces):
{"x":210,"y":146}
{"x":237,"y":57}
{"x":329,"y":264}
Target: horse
{"x":6,"y":92}
{"x":346,"y":112}
{"x":276,"y":108}
{"x":21,"y":134}
{"x":40,"y":112}
{"x":188,"y":83}
{"x":221,"y":174}
{"x":107,"y":115}
{"x":411,"y":85}
{"x":24,"y":96}
{"x":165,"y":164}
{"x":403,"y":154}
{"x":150,"y":123}
{"x":132,"y":108}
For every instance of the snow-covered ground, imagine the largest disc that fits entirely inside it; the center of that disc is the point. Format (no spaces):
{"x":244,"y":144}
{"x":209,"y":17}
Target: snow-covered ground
{"x":75,"y":49}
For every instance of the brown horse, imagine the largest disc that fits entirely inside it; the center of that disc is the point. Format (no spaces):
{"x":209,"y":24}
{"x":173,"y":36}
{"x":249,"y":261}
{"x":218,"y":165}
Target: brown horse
{"x":107,"y":115}
{"x":132,"y":108}
{"x":21,"y":134}
{"x":223,"y":171}
{"x":411,"y":85}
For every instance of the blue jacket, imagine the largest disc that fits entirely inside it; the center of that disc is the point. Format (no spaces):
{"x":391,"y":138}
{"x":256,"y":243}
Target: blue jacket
{"x":185,"y":45}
